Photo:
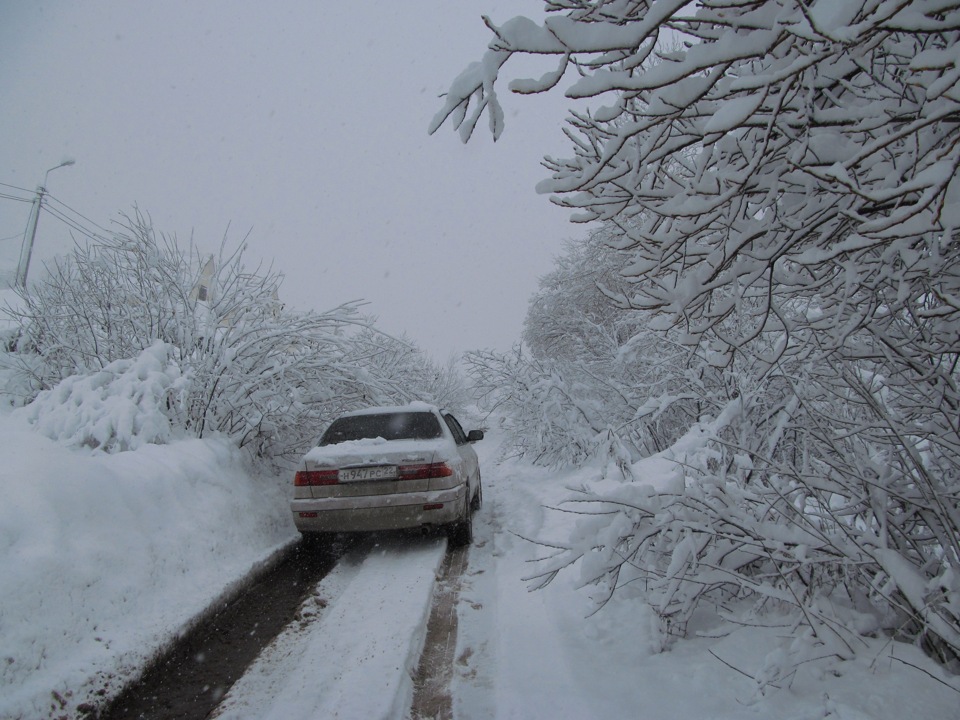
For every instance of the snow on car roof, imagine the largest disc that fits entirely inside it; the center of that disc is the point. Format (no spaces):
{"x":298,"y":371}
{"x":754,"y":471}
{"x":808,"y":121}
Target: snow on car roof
{"x":416,"y":406}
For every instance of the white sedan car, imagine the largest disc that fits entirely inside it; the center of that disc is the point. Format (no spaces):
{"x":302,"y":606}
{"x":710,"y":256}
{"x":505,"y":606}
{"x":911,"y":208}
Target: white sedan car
{"x":389,"y":468}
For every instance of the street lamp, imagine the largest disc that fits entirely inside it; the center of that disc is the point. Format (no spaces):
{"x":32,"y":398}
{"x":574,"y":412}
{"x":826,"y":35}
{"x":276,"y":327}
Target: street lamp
{"x":26,"y":249}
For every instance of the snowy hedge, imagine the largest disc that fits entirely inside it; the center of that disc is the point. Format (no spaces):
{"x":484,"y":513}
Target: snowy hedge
{"x":779,"y":184}
{"x":213,"y":350}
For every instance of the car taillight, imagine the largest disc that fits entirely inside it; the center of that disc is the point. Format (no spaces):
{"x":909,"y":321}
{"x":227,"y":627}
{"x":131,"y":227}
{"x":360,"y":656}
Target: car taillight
{"x":422,"y":472}
{"x":315,"y":477}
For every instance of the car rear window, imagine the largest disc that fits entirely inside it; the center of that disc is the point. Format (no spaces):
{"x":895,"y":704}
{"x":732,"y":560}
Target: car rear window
{"x":389,"y":426}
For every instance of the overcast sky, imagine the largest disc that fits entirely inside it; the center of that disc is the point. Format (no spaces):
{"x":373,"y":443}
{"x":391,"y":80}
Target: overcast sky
{"x":304,"y":123}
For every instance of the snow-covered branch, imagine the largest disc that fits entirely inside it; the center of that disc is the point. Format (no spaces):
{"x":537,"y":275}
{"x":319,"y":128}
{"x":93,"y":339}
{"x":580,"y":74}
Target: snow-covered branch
{"x":779,"y":184}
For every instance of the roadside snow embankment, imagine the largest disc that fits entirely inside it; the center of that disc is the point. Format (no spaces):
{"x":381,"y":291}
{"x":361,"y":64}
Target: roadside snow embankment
{"x":103,"y":558}
{"x":552,"y":653}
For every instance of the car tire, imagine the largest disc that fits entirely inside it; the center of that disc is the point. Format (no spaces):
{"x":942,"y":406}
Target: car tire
{"x":316,"y":541}
{"x":461,"y":532}
{"x":478,"y":496}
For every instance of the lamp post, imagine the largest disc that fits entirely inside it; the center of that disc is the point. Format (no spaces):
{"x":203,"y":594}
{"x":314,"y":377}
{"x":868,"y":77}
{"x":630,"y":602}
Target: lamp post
{"x":27,"y":249}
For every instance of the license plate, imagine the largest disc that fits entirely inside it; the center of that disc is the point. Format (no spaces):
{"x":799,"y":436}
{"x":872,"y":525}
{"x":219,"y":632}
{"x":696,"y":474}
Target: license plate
{"x":380,"y":472}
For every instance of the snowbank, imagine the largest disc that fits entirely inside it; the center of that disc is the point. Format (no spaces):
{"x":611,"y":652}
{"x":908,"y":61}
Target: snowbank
{"x":125,"y":406}
{"x":105,"y":557}
{"x":525,"y":654}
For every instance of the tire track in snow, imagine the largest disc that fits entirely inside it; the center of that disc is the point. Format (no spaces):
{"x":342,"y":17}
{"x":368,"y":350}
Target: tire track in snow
{"x":431,"y":695}
{"x":189,"y":679}
{"x":354,"y":654}
{"x":477,"y":642}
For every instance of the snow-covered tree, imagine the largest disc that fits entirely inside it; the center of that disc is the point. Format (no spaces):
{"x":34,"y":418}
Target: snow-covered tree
{"x":400,"y":372}
{"x":588,"y":370}
{"x":783,"y":175}
{"x":240,"y":363}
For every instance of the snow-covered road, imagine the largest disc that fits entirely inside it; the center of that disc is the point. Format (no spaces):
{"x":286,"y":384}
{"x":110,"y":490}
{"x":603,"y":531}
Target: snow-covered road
{"x":523,"y":655}
{"x":90,"y":588}
{"x":353,"y":653}
{"x":527,"y":655}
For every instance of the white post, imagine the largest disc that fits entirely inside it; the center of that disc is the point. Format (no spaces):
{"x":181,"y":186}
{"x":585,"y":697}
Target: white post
{"x":27,"y":249}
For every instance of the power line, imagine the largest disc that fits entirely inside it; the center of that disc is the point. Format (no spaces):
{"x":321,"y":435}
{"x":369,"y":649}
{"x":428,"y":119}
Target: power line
{"x":17,"y":187}
{"x":73,"y":219}
{"x":14,"y":197}
{"x":77,"y":213}
{"x":77,"y":224}
{"x":81,"y":225}
{"x":74,"y":224}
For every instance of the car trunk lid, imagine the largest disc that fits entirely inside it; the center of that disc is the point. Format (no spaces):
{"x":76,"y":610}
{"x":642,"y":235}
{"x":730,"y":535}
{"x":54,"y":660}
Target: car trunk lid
{"x":373,"y":467}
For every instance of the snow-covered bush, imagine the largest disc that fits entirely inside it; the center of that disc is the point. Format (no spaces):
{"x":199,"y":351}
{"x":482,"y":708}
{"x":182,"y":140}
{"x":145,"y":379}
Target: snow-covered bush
{"x":545,"y":419}
{"x":400,"y":372}
{"x":783,"y":177}
{"x":590,"y":369}
{"x":265,"y":376}
{"x":128,"y":404}
{"x":847,"y":550}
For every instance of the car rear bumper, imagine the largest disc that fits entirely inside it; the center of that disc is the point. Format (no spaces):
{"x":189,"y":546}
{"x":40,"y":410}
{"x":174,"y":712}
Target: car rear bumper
{"x":378,"y":512}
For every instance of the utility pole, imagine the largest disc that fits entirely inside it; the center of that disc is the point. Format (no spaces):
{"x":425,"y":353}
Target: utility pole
{"x":26,"y":249}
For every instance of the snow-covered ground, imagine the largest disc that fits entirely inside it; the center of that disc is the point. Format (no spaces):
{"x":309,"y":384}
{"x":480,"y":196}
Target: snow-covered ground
{"x":542,"y":654}
{"x":103,"y":558}
{"x":356,"y":647}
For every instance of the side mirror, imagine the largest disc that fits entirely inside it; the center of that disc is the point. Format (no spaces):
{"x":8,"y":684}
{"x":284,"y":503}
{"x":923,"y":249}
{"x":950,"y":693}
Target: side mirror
{"x":474,"y":435}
